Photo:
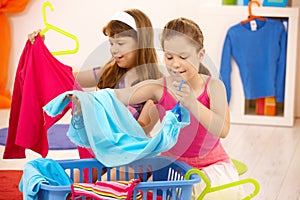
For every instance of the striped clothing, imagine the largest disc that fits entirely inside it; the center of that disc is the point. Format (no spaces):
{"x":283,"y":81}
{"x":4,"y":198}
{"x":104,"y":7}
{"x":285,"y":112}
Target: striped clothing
{"x":106,"y":190}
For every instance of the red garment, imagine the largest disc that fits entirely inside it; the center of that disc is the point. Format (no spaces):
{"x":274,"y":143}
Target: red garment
{"x":40,"y":77}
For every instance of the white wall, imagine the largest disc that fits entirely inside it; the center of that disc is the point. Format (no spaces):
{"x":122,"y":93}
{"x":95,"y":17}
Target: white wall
{"x":85,"y":19}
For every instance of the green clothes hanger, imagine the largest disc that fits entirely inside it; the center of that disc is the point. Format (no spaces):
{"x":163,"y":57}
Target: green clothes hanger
{"x":49,"y":26}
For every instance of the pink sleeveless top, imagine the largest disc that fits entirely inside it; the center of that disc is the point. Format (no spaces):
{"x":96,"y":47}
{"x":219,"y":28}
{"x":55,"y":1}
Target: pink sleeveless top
{"x":195,"y":145}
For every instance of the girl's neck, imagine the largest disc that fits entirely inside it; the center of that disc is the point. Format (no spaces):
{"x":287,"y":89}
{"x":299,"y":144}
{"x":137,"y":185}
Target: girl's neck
{"x":130,"y":77}
{"x":197,"y":83}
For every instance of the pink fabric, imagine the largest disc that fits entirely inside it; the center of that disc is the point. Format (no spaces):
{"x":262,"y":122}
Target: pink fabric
{"x":40,"y":77}
{"x":216,"y":155}
{"x":106,"y":190}
{"x":198,"y":144}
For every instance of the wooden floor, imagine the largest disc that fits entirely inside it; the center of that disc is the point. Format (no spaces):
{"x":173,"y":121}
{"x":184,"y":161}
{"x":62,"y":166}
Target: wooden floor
{"x":272,"y":155}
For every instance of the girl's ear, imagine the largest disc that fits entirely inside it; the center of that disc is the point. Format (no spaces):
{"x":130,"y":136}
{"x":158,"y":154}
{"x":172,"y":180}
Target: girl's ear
{"x":201,"y":54}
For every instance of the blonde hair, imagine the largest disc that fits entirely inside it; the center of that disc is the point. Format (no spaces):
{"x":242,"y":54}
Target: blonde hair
{"x":146,"y":54}
{"x":188,"y":28}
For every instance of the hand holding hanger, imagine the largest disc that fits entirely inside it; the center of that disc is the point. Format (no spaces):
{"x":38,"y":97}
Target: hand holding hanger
{"x":32,"y":36}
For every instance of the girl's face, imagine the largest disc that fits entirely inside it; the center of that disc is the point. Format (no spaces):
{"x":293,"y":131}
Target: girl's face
{"x":123,"y":50}
{"x":181,"y":57}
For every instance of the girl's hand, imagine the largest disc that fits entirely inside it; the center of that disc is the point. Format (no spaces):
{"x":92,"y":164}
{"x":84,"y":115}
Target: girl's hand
{"x":184,"y":93}
{"x":32,"y":36}
{"x":76,"y":104}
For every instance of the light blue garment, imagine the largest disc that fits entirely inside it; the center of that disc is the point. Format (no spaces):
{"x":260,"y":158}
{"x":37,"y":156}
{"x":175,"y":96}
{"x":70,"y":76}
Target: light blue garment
{"x":38,"y":171}
{"x":110,"y":130}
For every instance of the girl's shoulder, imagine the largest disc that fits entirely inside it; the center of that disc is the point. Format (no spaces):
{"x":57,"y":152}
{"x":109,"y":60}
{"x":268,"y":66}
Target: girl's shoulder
{"x":152,"y":81}
{"x":215,"y":84}
{"x":151,"y":84}
{"x":153,"y":87}
{"x":210,"y":80}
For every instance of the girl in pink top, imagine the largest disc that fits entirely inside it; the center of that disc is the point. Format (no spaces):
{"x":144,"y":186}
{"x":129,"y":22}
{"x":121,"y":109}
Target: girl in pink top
{"x":204,"y":96}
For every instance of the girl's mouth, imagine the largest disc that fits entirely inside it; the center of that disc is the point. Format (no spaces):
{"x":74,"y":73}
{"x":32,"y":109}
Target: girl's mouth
{"x":118,"y":58}
{"x":177,"y":73}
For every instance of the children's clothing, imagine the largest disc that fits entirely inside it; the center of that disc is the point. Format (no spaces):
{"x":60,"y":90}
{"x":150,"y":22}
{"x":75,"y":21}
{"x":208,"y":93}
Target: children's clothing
{"x":261,"y":57}
{"x":39,"y":78}
{"x":38,"y":171}
{"x":199,"y":148}
{"x":219,"y":174}
{"x":106,"y":190}
{"x":134,"y":109}
{"x":194,"y":140}
{"x":110,"y":130}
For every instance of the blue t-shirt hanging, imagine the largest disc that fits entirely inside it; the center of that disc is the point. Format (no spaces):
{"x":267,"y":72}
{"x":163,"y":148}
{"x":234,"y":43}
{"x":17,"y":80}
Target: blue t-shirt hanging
{"x":259,"y":49}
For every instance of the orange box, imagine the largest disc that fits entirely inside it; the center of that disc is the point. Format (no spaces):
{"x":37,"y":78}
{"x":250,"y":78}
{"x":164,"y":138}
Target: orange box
{"x":266,"y":106}
{"x":270,"y":106}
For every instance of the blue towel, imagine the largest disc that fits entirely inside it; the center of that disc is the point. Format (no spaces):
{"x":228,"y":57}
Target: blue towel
{"x":110,"y":130}
{"x":38,"y":171}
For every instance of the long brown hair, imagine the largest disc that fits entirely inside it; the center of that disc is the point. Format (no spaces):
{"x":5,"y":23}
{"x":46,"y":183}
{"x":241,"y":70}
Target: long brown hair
{"x":188,"y":28}
{"x":146,"y":62}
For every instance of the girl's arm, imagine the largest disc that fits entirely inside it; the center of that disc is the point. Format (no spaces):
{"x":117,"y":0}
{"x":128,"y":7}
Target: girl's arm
{"x":148,"y":91}
{"x":141,"y":92}
{"x":88,"y":78}
{"x":85,"y":78}
{"x":219,"y":123}
{"x":148,"y":117}
{"x":216,"y":119}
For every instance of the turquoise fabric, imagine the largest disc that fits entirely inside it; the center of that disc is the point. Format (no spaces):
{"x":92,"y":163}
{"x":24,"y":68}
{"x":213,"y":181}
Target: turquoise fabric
{"x":38,"y":171}
{"x":110,"y":130}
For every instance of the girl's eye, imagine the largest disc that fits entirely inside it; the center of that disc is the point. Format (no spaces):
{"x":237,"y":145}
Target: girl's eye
{"x":183,"y":57}
{"x":169,"y":57}
{"x":110,"y":43}
{"x":121,"y":43}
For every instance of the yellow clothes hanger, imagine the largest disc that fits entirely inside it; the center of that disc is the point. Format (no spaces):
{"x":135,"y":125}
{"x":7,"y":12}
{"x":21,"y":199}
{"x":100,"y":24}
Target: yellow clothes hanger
{"x":49,"y":26}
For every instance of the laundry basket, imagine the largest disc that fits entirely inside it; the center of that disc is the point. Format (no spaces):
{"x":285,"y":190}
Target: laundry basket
{"x":162,"y":177}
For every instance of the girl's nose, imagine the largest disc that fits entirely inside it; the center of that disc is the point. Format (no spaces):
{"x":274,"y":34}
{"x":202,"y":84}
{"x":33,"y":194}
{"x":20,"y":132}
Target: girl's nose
{"x":113,"y":49}
{"x":176,"y":63}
